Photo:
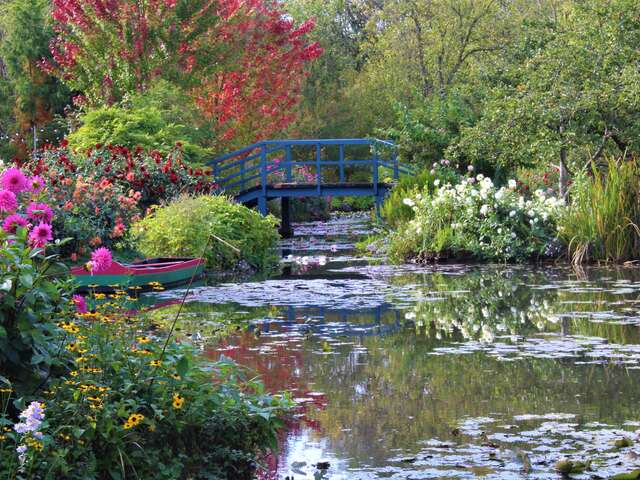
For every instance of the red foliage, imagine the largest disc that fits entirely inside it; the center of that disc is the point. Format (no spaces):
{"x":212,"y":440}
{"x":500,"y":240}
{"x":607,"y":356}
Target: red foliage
{"x":243,"y":60}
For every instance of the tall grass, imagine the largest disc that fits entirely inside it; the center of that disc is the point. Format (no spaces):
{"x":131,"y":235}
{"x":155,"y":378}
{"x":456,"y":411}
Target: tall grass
{"x":394,"y":211}
{"x":601,"y":222}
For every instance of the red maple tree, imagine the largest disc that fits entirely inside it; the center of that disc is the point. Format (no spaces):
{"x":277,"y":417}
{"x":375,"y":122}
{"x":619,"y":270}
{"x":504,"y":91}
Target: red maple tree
{"x":243,"y":61}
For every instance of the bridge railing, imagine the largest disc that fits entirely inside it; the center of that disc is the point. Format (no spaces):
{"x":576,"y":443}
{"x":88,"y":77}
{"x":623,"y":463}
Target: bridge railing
{"x":272,"y":161}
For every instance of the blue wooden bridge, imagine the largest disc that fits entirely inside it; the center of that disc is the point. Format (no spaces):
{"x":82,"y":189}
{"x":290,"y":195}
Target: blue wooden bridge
{"x":285,"y":169}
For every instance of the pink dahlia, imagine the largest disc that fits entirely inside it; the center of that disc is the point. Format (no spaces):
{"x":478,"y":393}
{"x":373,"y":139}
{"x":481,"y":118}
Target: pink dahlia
{"x":80,"y":303}
{"x":101,"y":260}
{"x":14,"y":180}
{"x":8,"y":201}
{"x":36,"y":184}
{"x":12,"y":222}
{"x":40,"y":212}
{"x":40,"y":235}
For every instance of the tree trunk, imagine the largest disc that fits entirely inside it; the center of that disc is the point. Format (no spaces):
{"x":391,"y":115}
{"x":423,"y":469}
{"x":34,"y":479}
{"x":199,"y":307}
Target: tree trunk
{"x":564,"y":175}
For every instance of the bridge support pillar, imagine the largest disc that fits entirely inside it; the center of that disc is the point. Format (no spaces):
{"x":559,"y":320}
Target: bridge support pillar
{"x":262,"y":206}
{"x":379,"y":199}
{"x":286,"y":230}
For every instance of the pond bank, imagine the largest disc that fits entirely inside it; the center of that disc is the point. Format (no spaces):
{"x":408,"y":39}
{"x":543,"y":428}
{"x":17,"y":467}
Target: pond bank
{"x":454,"y":371}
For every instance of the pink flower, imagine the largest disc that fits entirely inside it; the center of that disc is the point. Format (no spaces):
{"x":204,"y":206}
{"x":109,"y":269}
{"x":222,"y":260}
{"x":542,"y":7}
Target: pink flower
{"x":8,"y":201}
{"x":14,"y":180}
{"x":12,"y":222}
{"x":40,"y":235}
{"x":40,"y":212}
{"x":36,"y":184}
{"x":101,"y":260}
{"x":80,"y":303}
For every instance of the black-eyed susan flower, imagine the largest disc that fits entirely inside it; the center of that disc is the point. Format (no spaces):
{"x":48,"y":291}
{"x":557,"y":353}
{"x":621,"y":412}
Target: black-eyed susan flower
{"x":143,"y":339}
{"x":178,"y":401}
{"x":155,"y":363}
{"x":133,"y":420}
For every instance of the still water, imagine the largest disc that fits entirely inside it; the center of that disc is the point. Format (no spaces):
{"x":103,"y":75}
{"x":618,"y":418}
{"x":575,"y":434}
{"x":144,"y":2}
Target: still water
{"x":456,"y":371}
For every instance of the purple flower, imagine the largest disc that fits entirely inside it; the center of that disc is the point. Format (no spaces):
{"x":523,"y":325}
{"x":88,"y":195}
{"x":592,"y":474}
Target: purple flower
{"x":21,"y":449}
{"x":40,"y":212}
{"x":14,"y":180}
{"x":12,"y":222}
{"x":40,"y":235}
{"x":8,"y":201}
{"x":36,"y":184}
{"x":101,"y":260}
{"x":80,"y":303}
{"x":32,"y":418}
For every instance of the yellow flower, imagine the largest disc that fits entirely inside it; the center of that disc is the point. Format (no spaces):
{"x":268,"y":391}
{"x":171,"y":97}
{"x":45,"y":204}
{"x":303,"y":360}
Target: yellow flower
{"x":143,"y":339}
{"x":178,"y":401}
{"x":69,"y":327}
{"x":100,"y":296}
{"x":133,"y":420}
{"x":155,"y":363}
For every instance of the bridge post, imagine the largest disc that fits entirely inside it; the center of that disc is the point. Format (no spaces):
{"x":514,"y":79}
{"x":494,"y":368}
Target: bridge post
{"x":375,"y":171}
{"x":341,"y":163}
{"x":286,"y":230}
{"x":318,"y":169}
{"x":262,"y":200}
{"x":288,"y":168}
{"x":396,"y":172}
{"x":379,"y":200}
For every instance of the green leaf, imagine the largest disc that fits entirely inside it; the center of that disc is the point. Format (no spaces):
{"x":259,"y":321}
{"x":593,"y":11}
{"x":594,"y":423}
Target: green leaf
{"x":182,"y":367}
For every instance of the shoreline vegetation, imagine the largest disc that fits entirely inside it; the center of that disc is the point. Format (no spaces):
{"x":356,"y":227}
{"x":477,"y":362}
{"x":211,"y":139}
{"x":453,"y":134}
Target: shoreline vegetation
{"x":449,"y":216}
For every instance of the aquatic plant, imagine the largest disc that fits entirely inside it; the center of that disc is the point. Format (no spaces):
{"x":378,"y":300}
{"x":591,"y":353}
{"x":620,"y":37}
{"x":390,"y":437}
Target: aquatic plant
{"x":603,"y":218}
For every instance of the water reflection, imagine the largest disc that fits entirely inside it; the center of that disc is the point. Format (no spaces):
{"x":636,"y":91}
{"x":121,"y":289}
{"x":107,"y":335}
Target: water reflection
{"x":446,"y":372}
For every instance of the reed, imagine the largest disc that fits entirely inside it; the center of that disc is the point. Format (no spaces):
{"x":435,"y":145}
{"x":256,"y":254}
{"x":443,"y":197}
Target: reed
{"x":601,"y":222}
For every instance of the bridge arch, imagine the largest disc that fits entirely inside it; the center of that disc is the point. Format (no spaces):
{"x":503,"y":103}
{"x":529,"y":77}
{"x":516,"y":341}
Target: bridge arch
{"x":286,"y":169}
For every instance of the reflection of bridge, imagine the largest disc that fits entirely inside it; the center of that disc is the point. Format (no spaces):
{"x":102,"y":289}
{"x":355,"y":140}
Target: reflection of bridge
{"x":343,"y":323}
{"x":288,"y":169}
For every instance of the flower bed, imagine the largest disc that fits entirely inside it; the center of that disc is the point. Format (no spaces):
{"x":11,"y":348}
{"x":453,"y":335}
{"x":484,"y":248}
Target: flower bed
{"x":98,"y":195}
{"x":91,"y":390}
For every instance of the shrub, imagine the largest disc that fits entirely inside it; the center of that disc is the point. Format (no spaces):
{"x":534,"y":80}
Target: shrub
{"x":603,"y":218}
{"x":474,"y":218}
{"x":142,"y":127}
{"x":213,"y":227}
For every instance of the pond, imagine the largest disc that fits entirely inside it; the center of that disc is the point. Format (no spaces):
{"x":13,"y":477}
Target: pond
{"x":454,"y":371}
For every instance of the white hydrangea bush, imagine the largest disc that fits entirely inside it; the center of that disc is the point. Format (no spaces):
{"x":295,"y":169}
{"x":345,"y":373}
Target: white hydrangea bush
{"x":475,"y":218}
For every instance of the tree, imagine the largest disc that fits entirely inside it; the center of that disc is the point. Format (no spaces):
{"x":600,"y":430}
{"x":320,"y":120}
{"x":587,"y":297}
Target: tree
{"x":27,"y":30}
{"x":241,"y":60}
{"x":574,"y":98}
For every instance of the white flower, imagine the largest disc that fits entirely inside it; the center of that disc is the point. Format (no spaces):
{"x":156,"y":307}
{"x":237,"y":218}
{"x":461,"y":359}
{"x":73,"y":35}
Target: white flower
{"x":512,"y":213}
{"x":436,"y":182}
{"x":470,"y":168}
{"x":484,"y":210}
{"x":408,"y":202}
{"x":512,"y":184}
{"x":479,"y":177}
{"x":500,"y":231}
{"x":513,"y":234}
